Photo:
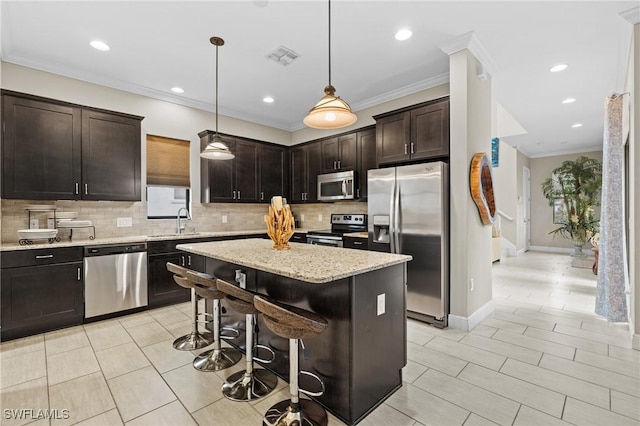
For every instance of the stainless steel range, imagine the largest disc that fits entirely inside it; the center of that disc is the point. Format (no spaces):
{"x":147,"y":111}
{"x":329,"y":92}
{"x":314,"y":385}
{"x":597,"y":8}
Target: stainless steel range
{"x":340,"y":224}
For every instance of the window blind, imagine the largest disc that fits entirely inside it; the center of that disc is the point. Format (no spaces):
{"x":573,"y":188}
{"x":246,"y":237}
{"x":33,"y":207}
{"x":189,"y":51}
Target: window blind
{"x":167,"y":161}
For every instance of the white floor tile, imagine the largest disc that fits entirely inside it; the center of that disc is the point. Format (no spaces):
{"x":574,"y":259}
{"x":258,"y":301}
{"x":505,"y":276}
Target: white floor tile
{"x":31,"y":395}
{"x":169,"y":415}
{"x":534,"y":343}
{"x":149,"y":334}
{"x":121,"y":359}
{"x":65,"y":340}
{"x":22,"y":368}
{"x":434,"y":359}
{"x":84,"y":397}
{"x":506,"y":349}
{"x":195,"y":389}
{"x":563,"y":339}
{"x":71,"y":364}
{"x":164,"y":357}
{"x":626,"y":405}
{"x":581,"y":413}
{"x":426,"y":408}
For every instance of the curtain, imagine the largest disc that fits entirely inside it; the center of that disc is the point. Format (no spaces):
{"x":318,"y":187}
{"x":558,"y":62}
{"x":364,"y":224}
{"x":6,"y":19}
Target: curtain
{"x":611,"y":299}
{"x":167,"y":161}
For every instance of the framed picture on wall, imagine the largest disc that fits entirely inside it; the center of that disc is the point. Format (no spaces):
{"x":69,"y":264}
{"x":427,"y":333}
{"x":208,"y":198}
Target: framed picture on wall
{"x":559,"y":212}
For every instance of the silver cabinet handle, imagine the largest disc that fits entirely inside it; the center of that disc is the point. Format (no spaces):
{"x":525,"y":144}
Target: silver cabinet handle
{"x":358,"y":192}
{"x":234,"y":195}
{"x":405,"y":149}
{"x":78,"y":273}
{"x":357,"y":243}
{"x":339,"y":164}
{"x":46,"y":256}
{"x":412,"y":147}
{"x":334,"y":164}
{"x":261,"y":196}
{"x":86,"y":189}
{"x":182,"y":260}
{"x":238,"y":195}
{"x":77,"y":188}
{"x":189,"y":260}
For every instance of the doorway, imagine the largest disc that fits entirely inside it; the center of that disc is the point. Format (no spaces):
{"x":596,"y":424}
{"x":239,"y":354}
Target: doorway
{"x":526,"y":207}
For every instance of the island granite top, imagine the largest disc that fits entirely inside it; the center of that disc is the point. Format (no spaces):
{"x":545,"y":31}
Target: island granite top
{"x":304,"y":262}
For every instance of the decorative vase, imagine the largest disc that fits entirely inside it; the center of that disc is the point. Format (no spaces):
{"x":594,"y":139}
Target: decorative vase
{"x":280,"y":223}
{"x":577,"y":249}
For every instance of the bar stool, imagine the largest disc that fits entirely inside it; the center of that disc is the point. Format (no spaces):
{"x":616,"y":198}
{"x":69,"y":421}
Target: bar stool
{"x":253,"y":383}
{"x":217,"y":358}
{"x":195,"y":339}
{"x":294,"y":324}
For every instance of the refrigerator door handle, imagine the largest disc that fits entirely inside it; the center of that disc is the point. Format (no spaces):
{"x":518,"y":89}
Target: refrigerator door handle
{"x":396,"y":215}
{"x":392,"y":212}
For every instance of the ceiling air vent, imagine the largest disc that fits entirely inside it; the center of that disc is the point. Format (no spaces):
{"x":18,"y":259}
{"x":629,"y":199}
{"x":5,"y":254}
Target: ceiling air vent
{"x":283,"y":56}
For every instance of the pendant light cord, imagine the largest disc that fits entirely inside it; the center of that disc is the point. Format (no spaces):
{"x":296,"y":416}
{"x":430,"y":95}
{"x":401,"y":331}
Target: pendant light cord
{"x":216,"y":89}
{"x":329,"y":42}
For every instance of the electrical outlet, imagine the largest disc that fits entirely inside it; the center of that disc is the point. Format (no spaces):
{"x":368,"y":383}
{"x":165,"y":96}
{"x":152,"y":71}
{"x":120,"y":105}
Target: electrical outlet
{"x":124,"y":222}
{"x":320,"y":217}
{"x":471,"y":283}
{"x":302,"y":216}
{"x":34,"y":224}
{"x":224,"y":218}
{"x":381,"y":304}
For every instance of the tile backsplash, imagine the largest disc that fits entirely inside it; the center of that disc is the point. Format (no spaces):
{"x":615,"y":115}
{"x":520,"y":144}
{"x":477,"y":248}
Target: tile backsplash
{"x":205,"y":217}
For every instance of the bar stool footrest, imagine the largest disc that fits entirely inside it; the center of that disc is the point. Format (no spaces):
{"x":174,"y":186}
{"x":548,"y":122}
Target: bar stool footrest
{"x":268,"y":349}
{"x":310,"y":393}
{"x":229,"y":333}
{"x":310,"y":413}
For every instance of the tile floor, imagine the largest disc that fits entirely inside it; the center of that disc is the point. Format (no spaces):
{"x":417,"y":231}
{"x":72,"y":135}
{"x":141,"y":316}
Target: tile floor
{"x":540,"y":359}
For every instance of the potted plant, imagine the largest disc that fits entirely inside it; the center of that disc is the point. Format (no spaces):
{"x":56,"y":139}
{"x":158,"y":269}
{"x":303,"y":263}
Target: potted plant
{"x":575,"y":186}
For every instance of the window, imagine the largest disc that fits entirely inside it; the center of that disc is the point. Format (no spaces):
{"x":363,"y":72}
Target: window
{"x":168,"y":178}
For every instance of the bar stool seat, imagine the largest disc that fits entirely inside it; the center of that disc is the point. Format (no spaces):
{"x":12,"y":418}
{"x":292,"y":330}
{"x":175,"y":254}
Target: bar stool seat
{"x":195,"y":339}
{"x":217,"y":358}
{"x":294,"y":324}
{"x":253,"y":383}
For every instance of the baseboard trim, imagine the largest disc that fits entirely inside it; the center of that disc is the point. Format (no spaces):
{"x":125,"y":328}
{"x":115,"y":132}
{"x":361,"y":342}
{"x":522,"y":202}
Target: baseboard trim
{"x":635,"y":342}
{"x":550,"y":249}
{"x":520,"y":252}
{"x":468,"y":323}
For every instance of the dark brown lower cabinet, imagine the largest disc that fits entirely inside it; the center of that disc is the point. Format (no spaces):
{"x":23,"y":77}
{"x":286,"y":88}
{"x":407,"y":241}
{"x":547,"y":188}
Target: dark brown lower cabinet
{"x":163,"y":290}
{"x":40,"y":297}
{"x":355,"y":243}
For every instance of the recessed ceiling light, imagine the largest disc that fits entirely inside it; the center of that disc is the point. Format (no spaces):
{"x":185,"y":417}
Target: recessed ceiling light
{"x":559,"y":67}
{"x":267,"y":99}
{"x":403,"y":34}
{"x":577,"y":125}
{"x":568,"y":101}
{"x":177,"y":90}
{"x":100,"y":45}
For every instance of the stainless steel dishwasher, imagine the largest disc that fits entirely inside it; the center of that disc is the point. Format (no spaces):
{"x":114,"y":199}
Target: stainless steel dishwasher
{"x":115,"y":278}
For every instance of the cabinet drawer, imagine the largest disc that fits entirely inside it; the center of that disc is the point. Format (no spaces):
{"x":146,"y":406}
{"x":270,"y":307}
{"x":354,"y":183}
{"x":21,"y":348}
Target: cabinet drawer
{"x":355,"y":243}
{"x":299,"y":237}
{"x":17,"y":258}
{"x":169,"y":246}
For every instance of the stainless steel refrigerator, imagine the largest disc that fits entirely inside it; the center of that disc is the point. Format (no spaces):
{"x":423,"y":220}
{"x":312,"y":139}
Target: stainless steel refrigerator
{"x":408,"y":214}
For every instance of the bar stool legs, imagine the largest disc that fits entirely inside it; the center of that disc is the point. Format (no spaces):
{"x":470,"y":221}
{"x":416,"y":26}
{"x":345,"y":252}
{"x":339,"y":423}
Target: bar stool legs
{"x":253,"y":383}
{"x":195,"y":339}
{"x":217,"y":358}
{"x":296,"y":411}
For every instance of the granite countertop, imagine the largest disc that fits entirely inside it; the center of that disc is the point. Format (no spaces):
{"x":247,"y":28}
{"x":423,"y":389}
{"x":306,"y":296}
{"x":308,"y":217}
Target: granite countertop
{"x":357,"y":234}
{"x":126,"y":240}
{"x":304,"y":262}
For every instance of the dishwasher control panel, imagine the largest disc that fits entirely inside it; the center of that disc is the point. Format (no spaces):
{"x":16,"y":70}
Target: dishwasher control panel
{"x":114,"y":249}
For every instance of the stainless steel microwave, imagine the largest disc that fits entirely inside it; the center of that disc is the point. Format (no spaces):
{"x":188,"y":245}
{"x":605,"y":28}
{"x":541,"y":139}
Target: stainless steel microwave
{"x":337,"y":186}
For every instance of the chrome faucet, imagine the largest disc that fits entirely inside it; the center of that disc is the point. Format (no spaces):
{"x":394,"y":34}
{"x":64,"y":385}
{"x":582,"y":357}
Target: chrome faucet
{"x":180,"y":226}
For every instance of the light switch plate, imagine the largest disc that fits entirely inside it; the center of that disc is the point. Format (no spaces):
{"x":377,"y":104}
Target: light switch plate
{"x":124,"y":222}
{"x":320,"y":217}
{"x":224,"y":218}
{"x":302,"y":217}
{"x":381,"y":304}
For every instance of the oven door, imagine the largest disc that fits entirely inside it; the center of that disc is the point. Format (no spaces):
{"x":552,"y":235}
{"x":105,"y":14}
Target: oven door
{"x":324,"y":240}
{"x":336,"y":186}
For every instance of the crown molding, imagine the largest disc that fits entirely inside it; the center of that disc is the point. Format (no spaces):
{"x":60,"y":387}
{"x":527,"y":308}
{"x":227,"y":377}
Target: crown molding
{"x":577,"y":150}
{"x":471,"y":42}
{"x":632,"y":15}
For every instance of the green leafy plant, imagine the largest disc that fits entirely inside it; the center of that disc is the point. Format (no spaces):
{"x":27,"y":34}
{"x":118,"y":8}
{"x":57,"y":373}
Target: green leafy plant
{"x":576,"y":184}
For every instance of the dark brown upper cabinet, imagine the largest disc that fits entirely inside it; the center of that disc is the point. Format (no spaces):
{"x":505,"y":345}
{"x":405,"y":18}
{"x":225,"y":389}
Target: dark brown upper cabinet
{"x":54,"y":150}
{"x":415,"y":133}
{"x":339,"y":153}
{"x":366,"y":148}
{"x":305,"y":166}
{"x":254,"y":175}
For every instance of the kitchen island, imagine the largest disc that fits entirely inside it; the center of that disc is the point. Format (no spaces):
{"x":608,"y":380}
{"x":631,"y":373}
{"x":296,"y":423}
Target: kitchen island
{"x":362,"y":295}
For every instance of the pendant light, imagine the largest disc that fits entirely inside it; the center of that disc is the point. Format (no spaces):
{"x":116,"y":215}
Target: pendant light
{"x":216,"y":149}
{"x":330,"y":112}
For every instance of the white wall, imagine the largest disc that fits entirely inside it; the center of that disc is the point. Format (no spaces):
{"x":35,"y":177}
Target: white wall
{"x":522,"y":162}
{"x":541,"y":212}
{"x":505,"y":189}
{"x":470,"y":251}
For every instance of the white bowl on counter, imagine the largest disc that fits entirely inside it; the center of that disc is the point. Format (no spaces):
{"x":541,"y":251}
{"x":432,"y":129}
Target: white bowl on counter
{"x":37,"y":234}
{"x":63,"y":215}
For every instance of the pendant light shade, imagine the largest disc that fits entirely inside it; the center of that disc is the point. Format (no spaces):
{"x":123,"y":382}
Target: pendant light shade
{"x":216,"y":150}
{"x":330,"y":112}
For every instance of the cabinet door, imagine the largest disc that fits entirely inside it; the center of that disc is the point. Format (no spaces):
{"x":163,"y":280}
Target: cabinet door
{"x":355,"y":243}
{"x":298,"y":174}
{"x":41,"y":150}
{"x":330,"y":155}
{"x":41,"y":298}
{"x":272,"y":172}
{"x":246,"y":172}
{"x":314,"y":168}
{"x":221,"y":176}
{"x":430,"y":131}
{"x":111,"y":157}
{"x":366,"y":160}
{"x":392,"y":138}
{"x":163,"y":290}
{"x":347,"y":146}
{"x":299,"y":237}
